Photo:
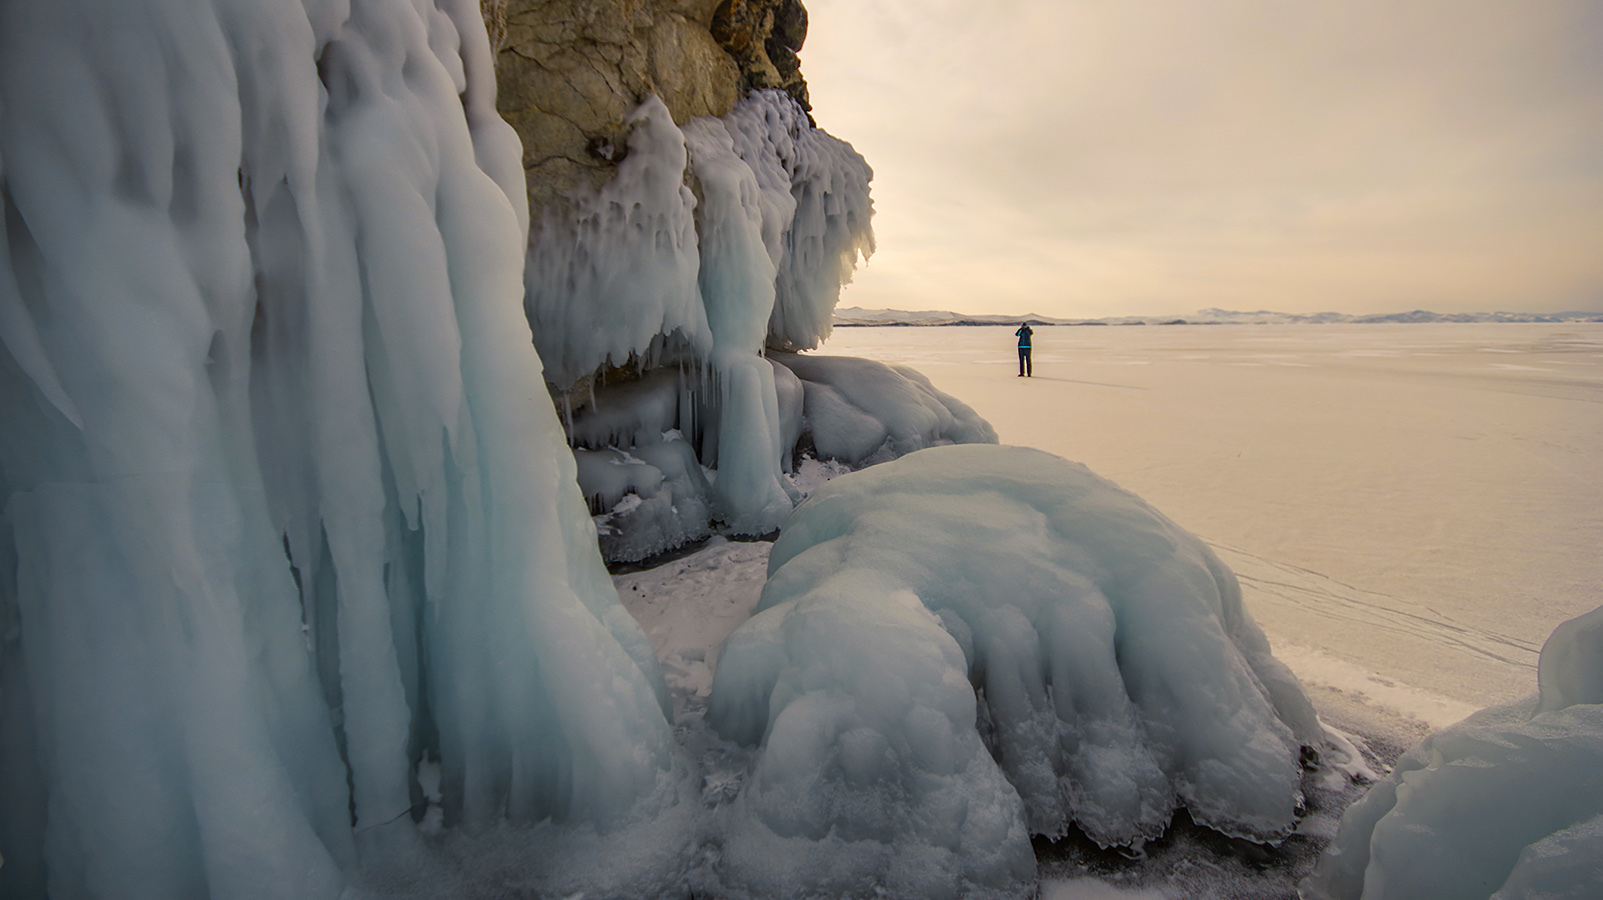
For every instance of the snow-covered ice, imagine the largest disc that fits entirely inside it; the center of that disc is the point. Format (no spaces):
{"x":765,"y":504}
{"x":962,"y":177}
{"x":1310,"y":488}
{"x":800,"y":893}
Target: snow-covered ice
{"x":689,"y":606}
{"x":1117,"y":675}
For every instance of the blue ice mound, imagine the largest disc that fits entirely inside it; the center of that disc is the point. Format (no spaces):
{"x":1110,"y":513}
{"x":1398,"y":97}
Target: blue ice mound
{"x":861,"y":411}
{"x":976,"y":598}
{"x":1507,"y":803}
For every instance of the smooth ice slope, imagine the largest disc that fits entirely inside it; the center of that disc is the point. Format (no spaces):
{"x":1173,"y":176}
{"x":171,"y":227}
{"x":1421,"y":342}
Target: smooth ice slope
{"x":1117,"y":675}
{"x":1506,"y":804}
{"x":284,"y":524}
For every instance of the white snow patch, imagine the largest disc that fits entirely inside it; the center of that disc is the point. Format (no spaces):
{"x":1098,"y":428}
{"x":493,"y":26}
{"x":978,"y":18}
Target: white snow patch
{"x":1315,"y":667}
{"x":689,"y":606}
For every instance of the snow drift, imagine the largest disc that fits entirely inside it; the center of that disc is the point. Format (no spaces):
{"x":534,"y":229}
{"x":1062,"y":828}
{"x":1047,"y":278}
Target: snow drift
{"x":969,"y":603}
{"x":1506,"y":804}
{"x":287,"y":531}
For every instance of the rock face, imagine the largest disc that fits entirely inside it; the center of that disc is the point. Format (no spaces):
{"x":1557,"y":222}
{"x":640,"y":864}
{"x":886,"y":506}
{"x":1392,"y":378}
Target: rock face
{"x":763,"y":37}
{"x":569,"y":72}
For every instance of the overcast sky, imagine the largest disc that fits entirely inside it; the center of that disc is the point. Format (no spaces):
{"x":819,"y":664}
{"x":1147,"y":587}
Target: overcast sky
{"x":1099,"y":157}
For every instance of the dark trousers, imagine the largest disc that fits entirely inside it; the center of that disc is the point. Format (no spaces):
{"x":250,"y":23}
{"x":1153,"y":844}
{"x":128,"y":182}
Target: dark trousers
{"x":1025,"y":367}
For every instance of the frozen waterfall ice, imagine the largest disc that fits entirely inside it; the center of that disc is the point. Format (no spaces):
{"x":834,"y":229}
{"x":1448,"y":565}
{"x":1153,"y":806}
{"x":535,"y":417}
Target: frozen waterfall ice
{"x":287,"y":521}
{"x":636,"y":440}
{"x":974,"y":643}
{"x":1507,"y":804}
{"x":716,"y":241}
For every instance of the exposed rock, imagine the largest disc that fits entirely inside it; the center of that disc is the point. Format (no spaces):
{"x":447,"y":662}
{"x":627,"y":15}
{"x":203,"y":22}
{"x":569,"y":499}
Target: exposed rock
{"x":570,"y":71}
{"x":763,"y":37}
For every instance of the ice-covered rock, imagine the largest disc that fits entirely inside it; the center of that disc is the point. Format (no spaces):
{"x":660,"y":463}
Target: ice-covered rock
{"x":1507,"y":804}
{"x":286,"y":518}
{"x":570,"y":71}
{"x":974,"y":598}
{"x":718,"y":241}
{"x":677,"y":240}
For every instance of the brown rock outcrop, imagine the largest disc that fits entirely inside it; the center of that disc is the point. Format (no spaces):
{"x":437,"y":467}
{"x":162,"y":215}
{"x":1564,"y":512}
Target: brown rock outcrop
{"x":569,"y":72}
{"x":763,"y":36}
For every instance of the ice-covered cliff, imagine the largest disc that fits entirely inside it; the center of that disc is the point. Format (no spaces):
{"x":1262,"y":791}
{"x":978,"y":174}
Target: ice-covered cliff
{"x":291,"y":559}
{"x":571,"y":71}
{"x":299,"y":590}
{"x":688,"y":217}
{"x":655,"y":299}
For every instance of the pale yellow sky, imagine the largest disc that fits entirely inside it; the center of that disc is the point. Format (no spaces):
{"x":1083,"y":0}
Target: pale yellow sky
{"x":1105,"y":157}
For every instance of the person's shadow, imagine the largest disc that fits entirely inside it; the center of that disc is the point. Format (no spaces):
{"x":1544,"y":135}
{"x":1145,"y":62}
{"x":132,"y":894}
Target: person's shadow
{"x":1128,"y":387}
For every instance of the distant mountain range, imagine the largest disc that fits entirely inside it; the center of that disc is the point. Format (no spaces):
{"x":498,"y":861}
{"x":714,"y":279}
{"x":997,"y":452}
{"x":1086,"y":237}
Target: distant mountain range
{"x":853,"y":315}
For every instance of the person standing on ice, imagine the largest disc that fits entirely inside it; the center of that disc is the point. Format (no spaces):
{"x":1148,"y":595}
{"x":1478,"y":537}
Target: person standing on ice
{"x":1025,"y":366}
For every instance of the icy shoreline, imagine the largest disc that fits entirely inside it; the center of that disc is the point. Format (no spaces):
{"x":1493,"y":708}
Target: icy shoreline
{"x":689,"y":604}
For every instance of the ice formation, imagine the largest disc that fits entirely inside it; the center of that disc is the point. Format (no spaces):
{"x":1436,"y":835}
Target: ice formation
{"x":636,"y":441}
{"x":714,"y":242}
{"x":860,"y":411}
{"x":973,"y":598}
{"x":285,"y":526}
{"x":1506,"y":804}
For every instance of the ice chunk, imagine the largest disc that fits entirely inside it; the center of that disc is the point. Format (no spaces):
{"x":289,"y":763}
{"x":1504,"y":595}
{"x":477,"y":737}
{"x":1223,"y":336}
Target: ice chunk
{"x":283,"y":513}
{"x":1116,"y":671}
{"x":861,"y":411}
{"x":648,"y":499}
{"x":1505,"y":804}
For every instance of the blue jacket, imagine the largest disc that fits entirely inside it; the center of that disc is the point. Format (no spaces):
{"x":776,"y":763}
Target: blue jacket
{"x":1024,"y":333}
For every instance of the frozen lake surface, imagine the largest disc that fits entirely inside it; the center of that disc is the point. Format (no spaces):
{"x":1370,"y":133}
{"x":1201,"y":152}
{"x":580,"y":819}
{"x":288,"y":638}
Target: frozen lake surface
{"x":1410,"y":508}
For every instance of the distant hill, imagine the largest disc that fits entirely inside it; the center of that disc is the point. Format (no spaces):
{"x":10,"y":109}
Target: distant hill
{"x":854,"y":315}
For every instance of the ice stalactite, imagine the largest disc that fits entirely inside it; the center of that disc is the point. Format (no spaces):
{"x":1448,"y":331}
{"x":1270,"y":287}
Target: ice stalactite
{"x":828,"y":223}
{"x":734,"y":216}
{"x":285,"y":519}
{"x":713,"y":243}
